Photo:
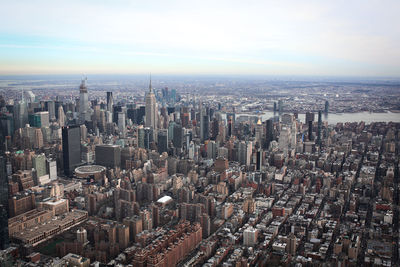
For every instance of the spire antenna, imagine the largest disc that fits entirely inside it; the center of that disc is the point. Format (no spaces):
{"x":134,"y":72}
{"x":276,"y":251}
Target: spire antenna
{"x":150,"y":89}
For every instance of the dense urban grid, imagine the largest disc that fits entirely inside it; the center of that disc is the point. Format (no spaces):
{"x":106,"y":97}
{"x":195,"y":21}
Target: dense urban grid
{"x":199,"y":172}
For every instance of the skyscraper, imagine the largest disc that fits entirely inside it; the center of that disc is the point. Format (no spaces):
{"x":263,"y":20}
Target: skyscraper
{"x":151,"y":108}
{"x":110,"y":101}
{"x":83,"y":102}
{"x":71,"y":143}
{"x":326,"y":106}
{"x":269,"y":133}
{"x":20,"y":114}
{"x":319,"y":127}
{"x":4,"y":242}
{"x":162,"y":143}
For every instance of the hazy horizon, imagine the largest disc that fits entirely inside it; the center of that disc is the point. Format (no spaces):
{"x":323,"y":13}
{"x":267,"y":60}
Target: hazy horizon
{"x":261,"y":38}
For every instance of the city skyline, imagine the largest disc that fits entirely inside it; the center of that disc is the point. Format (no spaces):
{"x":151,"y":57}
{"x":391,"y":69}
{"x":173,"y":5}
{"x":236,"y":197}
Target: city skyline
{"x":228,"y":38}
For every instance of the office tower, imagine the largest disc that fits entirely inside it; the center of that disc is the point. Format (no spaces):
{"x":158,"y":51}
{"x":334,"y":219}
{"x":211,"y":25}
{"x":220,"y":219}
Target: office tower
{"x":204,"y":127}
{"x":121,"y":123}
{"x":326,"y":106}
{"x":83,"y":130}
{"x":108,"y":155}
{"x":38,"y":138}
{"x":114,"y":113}
{"x":39,"y":164}
{"x":20,"y":114}
{"x":280,"y":106}
{"x":44,"y":118}
{"x":110,"y":101}
{"x":269,"y":133}
{"x":71,"y":144}
{"x":141,"y":113}
{"x":151,"y":108}
{"x":162,"y":143}
{"x":140,"y":137}
{"x":259,"y":159}
{"x":245,"y":151}
{"x":284,"y":139}
{"x":212,"y":150}
{"x":171,"y":130}
{"x":230,"y":126}
{"x":51,"y":168}
{"x":178,"y":136}
{"x":6,"y":125}
{"x":319,"y":127}
{"x":132,"y":114}
{"x":145,"y":137}
{"x":274,"y":107}
{"x":61,"y":116}
{"x":310,"y":125}
{"x":310,"y":117}
{"x":50,"y":107}
{"x":4,"y":212}
{"x":259,"y":132}
{"x":83,"y":102}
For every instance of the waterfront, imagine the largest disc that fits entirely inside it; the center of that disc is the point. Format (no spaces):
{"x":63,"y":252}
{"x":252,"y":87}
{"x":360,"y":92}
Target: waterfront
{"x":334,"y":118}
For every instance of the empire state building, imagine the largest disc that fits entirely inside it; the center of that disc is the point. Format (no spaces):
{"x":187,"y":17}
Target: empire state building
{"x":151,"y":109}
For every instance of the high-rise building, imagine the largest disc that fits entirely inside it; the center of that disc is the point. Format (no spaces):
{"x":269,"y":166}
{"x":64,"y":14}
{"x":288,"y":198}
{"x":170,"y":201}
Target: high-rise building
{"x":20,"y":114}
{"x":83,"y":102}
{"x":204,"y":126}
{"x":50,"y":107}
{"x":39,"y":164}
{"x":4,"y":214}
{"x":121,"y":123}
{"x":319,"y":127}
{"x":178,"y":136}
{"x":110,"y":101}
{"x":151,"y":108}
{"x":326,"y":106}
{"x":162,"y":143}
{"x":61,"y":116}
{"x":310,"y":127}
{"x":269,"y":133}
{"x":108,"y":155}
{"x":280,"y":106}
{"x":71,"y":144}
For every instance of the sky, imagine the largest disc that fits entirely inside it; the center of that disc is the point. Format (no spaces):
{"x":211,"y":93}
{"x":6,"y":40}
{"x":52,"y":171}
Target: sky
{"x":328,"y":38}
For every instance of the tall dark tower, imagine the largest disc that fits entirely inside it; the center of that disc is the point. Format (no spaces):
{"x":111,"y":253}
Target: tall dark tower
{"x":326,"y":107}
{"x":319,"y":127}
{"x":310,"y":137}
{"x":269,"y":133}
{"x":4,"y":213}
{"x":274,"y":108}
{"x":71,"y":143}
{"x":162,"y":139}
{"x":110,"y":101}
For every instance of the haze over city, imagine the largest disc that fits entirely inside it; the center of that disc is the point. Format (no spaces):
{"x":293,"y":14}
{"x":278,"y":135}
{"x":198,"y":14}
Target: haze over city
{"x":335,"y":38}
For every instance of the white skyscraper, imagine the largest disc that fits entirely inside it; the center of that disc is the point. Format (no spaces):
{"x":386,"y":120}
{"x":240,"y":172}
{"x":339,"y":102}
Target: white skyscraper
{"x":61,"y":116}
{"x":83,"y":102}
{"x":151,"y":109}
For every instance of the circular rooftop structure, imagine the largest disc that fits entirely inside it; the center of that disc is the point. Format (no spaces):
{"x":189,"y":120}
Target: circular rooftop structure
{"x":89,"y":170}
